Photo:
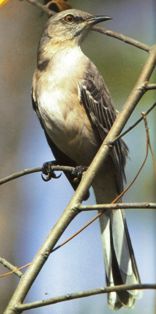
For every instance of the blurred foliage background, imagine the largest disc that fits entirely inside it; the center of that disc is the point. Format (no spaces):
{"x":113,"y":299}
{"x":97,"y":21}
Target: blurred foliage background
{"x":28,"y":206}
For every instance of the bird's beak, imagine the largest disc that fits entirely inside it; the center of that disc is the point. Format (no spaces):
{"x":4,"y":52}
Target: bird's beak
{"x":97,"y":19}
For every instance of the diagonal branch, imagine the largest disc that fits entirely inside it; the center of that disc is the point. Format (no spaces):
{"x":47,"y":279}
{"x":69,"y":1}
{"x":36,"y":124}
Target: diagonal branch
{"x":135,"y":123}
{"x":121,"y":37}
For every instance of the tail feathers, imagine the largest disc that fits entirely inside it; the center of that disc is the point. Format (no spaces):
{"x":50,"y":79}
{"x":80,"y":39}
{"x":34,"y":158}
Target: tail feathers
{"x":119,"y":258}
{"x":120,"y":264}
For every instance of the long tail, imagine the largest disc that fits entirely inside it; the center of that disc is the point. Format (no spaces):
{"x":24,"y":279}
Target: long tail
{"x":119,"y":259}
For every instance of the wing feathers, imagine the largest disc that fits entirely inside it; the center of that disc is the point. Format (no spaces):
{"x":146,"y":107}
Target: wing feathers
{"x":96,"y":100}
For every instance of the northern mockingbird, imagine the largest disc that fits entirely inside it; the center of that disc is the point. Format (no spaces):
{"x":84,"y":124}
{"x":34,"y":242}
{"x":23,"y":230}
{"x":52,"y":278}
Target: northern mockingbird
{"x":76,"y":112}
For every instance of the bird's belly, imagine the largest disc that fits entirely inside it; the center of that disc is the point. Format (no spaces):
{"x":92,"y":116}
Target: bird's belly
{"x":68,"y":126}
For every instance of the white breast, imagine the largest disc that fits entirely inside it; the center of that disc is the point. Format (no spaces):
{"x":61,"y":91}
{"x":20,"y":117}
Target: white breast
{"x":64,"y":118}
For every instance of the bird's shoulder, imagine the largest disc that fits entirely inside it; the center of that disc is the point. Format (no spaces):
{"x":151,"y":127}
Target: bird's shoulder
{"x":95,"y":84}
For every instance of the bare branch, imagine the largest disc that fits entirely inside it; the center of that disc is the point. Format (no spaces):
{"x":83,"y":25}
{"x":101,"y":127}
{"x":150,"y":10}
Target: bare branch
{"x":83,"y":294}
{"x":135,"y":124}
{"x":12,"y":271}
{"x":81,"y":208}
{"x":10,"y":266}
{"x":102,"y":208}
{"x":121,"y":37}
{"x":117,"y":206}
{"x":151,"y":86}
{"x":148,"y":140}
{"x":141,"y":167}
{"x":19,"y":174}
{"x":114,"y":205}
{"x":24,"y":172}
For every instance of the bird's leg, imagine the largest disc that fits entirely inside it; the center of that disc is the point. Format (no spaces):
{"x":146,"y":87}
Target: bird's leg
{"x":47,"y":171}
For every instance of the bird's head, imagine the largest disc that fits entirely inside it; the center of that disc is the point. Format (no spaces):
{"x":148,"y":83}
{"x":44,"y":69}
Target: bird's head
{"x":71,"y":25}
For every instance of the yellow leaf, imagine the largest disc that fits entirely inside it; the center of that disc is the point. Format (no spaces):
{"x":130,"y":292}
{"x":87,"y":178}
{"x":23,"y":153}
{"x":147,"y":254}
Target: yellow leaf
{"x":3,"y":2}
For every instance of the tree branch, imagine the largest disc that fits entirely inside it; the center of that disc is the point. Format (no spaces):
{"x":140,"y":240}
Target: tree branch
{"x":11,"y":267}
{"x":121,"y":37}
{"x":103,"y":207}
{"x":24,"y":172}
{"x":151,"y":86}
{"x":82,"y":294}
{"x":134,"y":124}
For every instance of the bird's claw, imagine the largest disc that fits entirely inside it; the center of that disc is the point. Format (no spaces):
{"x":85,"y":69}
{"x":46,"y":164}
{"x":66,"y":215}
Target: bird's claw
{"x":47,"y":172}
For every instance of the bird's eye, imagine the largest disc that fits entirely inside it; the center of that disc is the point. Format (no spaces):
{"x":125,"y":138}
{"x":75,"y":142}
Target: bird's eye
{"x":69,"y":18}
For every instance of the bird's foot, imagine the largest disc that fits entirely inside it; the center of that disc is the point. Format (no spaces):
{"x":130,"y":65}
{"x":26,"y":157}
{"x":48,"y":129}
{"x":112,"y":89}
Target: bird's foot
{"x":78,"y":172}
{"x":47,"y":171}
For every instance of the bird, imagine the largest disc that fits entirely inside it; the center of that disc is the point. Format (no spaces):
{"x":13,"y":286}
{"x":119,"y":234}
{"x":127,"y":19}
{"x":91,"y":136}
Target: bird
{"x":76,"y":112}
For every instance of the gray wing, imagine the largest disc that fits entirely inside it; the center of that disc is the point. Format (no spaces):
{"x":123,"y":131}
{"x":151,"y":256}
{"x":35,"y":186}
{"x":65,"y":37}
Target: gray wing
{"x":97,"y":102}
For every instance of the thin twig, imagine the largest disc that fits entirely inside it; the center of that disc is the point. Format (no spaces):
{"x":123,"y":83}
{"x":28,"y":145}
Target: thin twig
{"x":14,"y":269}
{"x":77,"y":232}
{"x":149,"y":140}
{"x":24,"y":172}
{"x":153,"y":157}
{"x":19,"y":174}
{"x":9,"y":273}
{"x":146,"y":128}
{"x":134,"y":124}
{"x":121,"y":37}
{"x":151,"y":86}
{"x":103,"y":207}
{"x":83,"y":294}
{"x":141,"y":167}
